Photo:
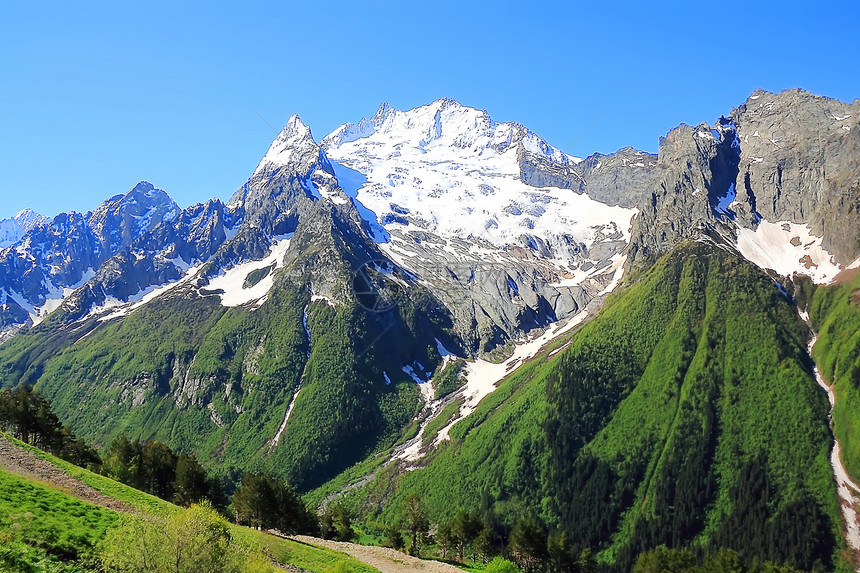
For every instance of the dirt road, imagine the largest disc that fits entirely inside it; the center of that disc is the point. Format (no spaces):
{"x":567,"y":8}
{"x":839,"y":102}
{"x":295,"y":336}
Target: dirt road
{"x":24,"y":463}
{"x":384,"y":559}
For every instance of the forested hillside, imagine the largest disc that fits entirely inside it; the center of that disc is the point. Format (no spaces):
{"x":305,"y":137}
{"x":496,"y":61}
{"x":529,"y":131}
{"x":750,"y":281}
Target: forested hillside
{"x":219,"y":381}
{"x":685,"y":414}
{"x":835,"y":316}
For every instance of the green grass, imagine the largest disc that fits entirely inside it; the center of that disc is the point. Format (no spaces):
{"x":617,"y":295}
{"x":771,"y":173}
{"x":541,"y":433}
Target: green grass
{"x":835,"y":315}
{"x":316,"y":559}
{"x":64,"y":523}
{"x":688,"y":380}
{"x":43,"y":528}
{"x":143,"y":502}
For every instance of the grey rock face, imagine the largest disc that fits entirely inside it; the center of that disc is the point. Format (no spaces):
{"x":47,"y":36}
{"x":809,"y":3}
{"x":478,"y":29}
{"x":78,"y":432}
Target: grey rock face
{"x":696,"y":168}
{"x":623,"y":178}
{"x":800,"y":162}
{"x":787,"y":157}
{"x":541,"y":171}
{"x":123,"y":218}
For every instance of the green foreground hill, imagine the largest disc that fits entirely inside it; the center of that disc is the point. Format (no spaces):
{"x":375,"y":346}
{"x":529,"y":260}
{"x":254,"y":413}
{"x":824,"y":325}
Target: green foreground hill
{"x":45,"y":529}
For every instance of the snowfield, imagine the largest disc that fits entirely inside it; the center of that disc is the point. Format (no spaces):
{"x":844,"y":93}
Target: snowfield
{"x":451,"y":171}
{"x":788,"y":248}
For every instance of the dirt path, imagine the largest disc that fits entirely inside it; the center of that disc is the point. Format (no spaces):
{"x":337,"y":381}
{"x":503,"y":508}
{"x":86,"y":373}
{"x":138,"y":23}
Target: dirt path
{"x":384,"y":559}
{"x":24,"y":463}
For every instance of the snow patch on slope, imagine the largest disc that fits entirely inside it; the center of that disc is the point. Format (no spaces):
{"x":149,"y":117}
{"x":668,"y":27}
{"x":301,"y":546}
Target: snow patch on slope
{"x":482,"y":377}
{"x":120,"y":308}
{"x":232,"y":283}
{"x":56,"y":296}
{"x":788,"y":248}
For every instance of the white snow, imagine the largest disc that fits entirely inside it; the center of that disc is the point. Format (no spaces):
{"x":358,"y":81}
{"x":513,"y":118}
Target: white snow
{"x":28,"y":219}
{"x":846,"y":489}
{"x":450,"y":170}
{"x":232,"y":281}
{"x":350,"y":182}
{"x":788,"y":248}
{"x":293,"y":141}
{"x":56,"y":296}
{"x":321,"y":298}
{"x":283,"y":426}
{"x":617,"y":269}
{"x":143,"y":297}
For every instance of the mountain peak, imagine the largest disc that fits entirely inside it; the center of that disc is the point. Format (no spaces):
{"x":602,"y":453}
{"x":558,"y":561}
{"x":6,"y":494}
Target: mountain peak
{"x":294,"y":141}
{"x":27,"y":219}
{"x":383,"y":112}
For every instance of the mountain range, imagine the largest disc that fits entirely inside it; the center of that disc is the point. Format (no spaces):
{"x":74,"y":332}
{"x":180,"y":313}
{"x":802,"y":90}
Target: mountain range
{"x":428,"y":300}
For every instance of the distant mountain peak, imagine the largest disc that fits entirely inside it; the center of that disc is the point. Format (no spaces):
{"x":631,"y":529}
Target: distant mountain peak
{"x":294,"y":142}
{"x":28,"y":219}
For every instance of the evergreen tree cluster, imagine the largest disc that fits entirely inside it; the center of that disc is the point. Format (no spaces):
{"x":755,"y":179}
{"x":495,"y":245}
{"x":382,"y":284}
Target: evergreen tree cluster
{"x":27,"y":416}
{"x":723,"y":560}
{"x":266,"y":503}
{"x":155,"y":468}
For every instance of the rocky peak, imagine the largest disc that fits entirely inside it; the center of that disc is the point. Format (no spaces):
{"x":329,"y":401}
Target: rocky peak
{"x":294,"y":149}
{"x":123,"y":218}
{"x":800,"y":162}
{"x":28,"y":219}
{"x":10,"y":232}
{"x":622,"y":178}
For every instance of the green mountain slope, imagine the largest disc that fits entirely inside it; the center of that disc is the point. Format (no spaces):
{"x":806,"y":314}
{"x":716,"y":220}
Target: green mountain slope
{"x":219,"y":381}
{"x":835,"y":316}
{"x":684,"y":414}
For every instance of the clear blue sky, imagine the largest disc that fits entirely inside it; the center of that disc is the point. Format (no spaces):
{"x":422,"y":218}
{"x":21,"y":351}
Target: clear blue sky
{"x":97,"y":96}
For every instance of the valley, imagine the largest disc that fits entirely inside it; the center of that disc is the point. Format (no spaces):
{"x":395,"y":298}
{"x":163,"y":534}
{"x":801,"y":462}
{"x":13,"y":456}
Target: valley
{"x":573,"y":362}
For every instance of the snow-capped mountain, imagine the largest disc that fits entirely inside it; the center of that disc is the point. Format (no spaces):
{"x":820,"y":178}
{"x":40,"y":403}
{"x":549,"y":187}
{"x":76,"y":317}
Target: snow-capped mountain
{"x":419,"y":246}
{"x":507,"y":231}
{"x":475,"y":207}
{"x":28,"y":219}
{"x":53,"y":258}
{"x":14,"y":228}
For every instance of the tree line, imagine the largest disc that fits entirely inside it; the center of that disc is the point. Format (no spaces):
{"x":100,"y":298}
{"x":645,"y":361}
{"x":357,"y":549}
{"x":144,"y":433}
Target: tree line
{"x":153,"y":467}
{"x":27,"y":416}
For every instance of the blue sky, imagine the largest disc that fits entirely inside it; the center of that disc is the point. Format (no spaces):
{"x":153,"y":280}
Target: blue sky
{"x":97,"y":96}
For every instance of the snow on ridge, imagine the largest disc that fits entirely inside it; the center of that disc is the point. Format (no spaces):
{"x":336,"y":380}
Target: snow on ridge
{"x":231,"y":283}
{"x":450,"y":170}
{"x":294,"y":141}
{"x":120,"y":308}
{"x":56,"y":296}
{"x":788,"y":248}
{"x":28,"y":219}
{"x":229,"y":286}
